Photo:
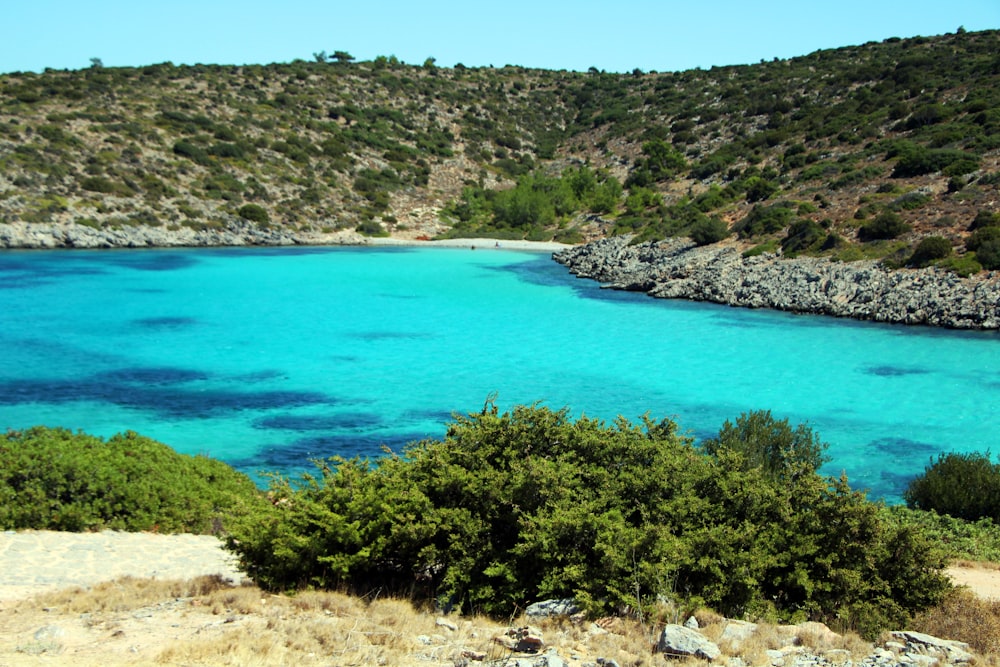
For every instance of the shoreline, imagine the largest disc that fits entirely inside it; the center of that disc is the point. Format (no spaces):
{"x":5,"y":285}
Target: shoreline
{"x":55,"y":236}
{"x":718,"y":273}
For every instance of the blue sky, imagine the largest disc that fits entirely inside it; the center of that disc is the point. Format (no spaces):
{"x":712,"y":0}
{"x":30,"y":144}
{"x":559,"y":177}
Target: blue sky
{"x":614,"y":36}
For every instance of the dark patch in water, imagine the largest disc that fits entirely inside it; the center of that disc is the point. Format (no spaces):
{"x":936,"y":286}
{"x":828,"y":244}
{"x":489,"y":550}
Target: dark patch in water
{"x":890,"y":485}
{"x":440,"y":416}
{"x":156,"y":391}
{"x":894,"y":371}
{"x":259,"y":376}
{"x":168,"y":323}
{"x":152,"y":375}
{"x":389,"y":335}
{"x":150,"y":260}
{"x":297,"y":454}
{"x":350,"y":420}
{"x":903,"y":447}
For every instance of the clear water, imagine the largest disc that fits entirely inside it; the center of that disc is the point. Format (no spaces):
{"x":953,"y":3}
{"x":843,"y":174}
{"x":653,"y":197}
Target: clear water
{"x":267,"y":358}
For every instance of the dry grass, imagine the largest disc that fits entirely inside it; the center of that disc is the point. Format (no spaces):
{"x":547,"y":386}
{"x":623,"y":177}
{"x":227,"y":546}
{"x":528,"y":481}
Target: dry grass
{"x":967,"y":618}
{"x":206,"y":622}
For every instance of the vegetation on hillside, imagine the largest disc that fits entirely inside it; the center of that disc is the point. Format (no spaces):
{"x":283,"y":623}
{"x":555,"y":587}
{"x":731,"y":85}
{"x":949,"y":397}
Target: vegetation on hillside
{"x":852,"y":153}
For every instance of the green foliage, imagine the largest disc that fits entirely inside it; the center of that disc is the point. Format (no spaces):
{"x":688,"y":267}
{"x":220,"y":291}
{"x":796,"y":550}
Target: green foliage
{"x":509,"y":508}
{"x":709,"y":230}
{"x":965,"y":486}
{"x":254,"y":213}
{"x":984,"y":218}
{"x":985,"y":243}
{"x":929,"y":250}
{"x":802,"y":236}
{"x":887,"y":225}
{"x":54,"y":479}
{"x":976,"y":540}
{"x":758,"y":440}
{"x":765,"y":220}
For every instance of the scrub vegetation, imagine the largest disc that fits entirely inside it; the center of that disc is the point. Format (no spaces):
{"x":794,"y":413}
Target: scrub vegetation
{"x":508,"y":508}
{"x":853,"y":153}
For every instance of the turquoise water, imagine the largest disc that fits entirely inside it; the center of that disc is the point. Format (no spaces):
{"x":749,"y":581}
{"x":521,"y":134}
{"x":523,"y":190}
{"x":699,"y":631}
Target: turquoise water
{"x":266,"y":358}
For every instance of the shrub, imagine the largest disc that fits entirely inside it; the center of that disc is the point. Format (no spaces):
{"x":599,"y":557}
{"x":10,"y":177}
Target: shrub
{"x":54,"y":479}
{"x":510,"y":508}
{"x":709,"y":230}
{"x":965,"y":486}
{"x":984,"y":218}
{"x":988,"y":254}
{"x":802,"y":235}
{"x":191,"y":151}
{"x":765,"y":220}
{"x":887,"y":225}
{"x":929,"y":250}
{"x":254,"y":213}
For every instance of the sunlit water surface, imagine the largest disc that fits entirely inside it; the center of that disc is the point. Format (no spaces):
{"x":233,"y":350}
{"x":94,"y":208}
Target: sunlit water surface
{"x":268,"y":358}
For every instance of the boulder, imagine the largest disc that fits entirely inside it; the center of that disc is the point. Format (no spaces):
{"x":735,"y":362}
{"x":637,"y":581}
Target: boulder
{"x":676,"y":641}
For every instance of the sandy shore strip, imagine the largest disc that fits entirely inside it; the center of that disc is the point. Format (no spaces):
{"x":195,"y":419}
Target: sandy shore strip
{"x":477,"y":244}
{"x":35,"y":561}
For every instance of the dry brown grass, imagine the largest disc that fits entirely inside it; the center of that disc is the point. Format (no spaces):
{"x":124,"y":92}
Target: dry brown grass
{"x":967,"y":618}
{"x":206,"y":622}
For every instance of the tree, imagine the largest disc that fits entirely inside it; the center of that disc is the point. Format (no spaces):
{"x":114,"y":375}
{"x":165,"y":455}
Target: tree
{"x":342,"y":57}
{"x":96,"y":63}
{"x":320,"y":57}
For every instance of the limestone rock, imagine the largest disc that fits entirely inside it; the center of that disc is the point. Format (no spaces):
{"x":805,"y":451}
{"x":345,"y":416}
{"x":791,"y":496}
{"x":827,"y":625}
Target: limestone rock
{"x":676,"y":641}
{"x":550,"y":608}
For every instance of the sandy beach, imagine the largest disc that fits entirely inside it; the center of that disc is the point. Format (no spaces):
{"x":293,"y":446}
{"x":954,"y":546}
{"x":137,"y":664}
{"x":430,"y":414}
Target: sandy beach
{"x":472,"y":244}
{"x":38,"y":561}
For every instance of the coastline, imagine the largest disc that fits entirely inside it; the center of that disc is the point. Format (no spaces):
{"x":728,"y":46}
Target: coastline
{"x":237,"y":233}
{"x":673,"y":269}
{"x":719,"y":273}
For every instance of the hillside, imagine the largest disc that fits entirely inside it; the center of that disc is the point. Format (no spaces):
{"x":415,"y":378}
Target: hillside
{"x":858,"y":152}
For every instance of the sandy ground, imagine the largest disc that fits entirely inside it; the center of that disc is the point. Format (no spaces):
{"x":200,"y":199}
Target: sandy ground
{"x":37,"y":561}
{"x":472,"y":244}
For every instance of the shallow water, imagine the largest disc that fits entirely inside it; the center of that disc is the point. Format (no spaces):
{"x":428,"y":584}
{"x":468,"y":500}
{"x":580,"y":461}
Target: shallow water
{"x":266,"y":358}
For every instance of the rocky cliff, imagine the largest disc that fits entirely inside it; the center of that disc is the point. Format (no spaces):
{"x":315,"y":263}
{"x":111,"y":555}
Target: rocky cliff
{"x":721,"y":274}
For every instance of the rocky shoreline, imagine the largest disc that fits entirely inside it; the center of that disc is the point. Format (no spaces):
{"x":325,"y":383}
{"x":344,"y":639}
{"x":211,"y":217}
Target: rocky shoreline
{"x":235,"y":232}
{"x":719,"y":273}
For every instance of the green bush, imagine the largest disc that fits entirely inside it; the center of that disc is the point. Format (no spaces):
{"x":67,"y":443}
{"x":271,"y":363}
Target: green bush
{"x":54,"y":479}
{"x":887,"y":225}
{"x":254,"y":213}
{"x":965,"y":486}
{"x":929,"y":250}
{"x":802,"y":235}
{"x":510,"y":508}
{"x":709,"y":230}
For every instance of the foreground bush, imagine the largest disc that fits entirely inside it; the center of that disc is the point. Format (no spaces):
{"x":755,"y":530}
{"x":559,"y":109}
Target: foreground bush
{"x":515,"y":507}
{"x":55,"y":479}
{"x":965,"y":486}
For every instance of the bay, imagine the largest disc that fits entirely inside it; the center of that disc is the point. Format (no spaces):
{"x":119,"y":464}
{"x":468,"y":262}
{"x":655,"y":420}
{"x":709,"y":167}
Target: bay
{"x":266,"y":358}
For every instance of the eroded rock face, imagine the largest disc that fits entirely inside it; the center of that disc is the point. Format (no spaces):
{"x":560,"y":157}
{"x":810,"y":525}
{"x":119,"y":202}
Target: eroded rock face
{"x":720,"y":274}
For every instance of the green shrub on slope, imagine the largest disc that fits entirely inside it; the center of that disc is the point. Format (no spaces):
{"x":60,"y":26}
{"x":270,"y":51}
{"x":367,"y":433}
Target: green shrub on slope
{"x":55,"y":479}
